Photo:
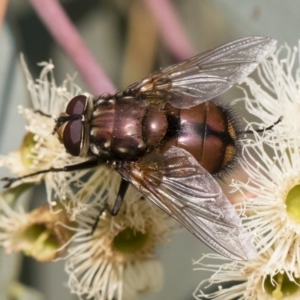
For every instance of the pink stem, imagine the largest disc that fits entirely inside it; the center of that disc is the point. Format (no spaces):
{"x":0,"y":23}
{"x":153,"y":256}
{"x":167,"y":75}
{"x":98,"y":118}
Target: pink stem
{"x":66,"y":35}
{"x":3,"y":5}
{"x":170,"y":28}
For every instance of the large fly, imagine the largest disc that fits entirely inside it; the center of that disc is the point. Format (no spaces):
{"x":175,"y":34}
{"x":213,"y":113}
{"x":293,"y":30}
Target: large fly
{"x":166,"y":138}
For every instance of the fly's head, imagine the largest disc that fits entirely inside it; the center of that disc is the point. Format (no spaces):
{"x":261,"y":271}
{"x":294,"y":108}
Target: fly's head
{"x":72,"y":126}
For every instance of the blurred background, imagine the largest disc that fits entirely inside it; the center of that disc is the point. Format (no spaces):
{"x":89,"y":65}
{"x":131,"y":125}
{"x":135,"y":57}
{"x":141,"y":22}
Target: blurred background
{"x":128,"y":44}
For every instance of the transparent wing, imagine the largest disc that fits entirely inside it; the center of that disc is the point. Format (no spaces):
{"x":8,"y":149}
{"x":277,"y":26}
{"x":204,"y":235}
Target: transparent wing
{"x":207,"y":75}
{"x":176,"y":183}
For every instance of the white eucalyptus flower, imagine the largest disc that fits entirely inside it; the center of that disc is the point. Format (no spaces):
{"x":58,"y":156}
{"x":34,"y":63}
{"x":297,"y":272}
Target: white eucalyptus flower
{"x":117,"y":260}
{"x":41,"y":234}
{"x":249,"y":279}
{"x":41,"y":150}
{"x":271,"y":194}
{"x":277,"y":92}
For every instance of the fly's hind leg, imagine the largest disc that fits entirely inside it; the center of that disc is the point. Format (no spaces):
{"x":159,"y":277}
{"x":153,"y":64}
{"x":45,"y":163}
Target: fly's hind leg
{"x":120,"y":196}
{"x":117,"y":206}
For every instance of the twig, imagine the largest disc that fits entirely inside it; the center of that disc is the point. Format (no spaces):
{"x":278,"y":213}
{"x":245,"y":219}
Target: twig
{"x":3,"y":5}
{"x":170,"y":28}
{"x":66,"y":35}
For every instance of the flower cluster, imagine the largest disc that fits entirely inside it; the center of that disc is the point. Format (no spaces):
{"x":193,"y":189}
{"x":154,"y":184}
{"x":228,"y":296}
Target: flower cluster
{"x":106,"y":257}
{"x":272,"y":192}
{"x":121,"y":250}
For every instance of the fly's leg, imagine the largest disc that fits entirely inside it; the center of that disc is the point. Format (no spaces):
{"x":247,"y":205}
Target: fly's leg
{"x":84,"y":165}
{"x":106,"y":207}
{"x":118,"y":203}
{"x":120,"y":196}
{"x":42,"y":113}
{"x":263,"y":129}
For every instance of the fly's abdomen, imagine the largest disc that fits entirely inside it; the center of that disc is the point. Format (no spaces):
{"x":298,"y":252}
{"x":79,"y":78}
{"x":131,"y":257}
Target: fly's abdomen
{"x":205,"y":131}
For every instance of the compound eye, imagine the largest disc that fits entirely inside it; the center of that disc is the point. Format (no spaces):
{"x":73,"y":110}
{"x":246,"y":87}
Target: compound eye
{"x":76,"y":105}
{"x":72,"y":136}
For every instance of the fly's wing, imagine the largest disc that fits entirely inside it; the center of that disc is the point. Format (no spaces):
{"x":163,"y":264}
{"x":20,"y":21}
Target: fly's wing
{"x":206,"y":75}
{"x":177,"y":184}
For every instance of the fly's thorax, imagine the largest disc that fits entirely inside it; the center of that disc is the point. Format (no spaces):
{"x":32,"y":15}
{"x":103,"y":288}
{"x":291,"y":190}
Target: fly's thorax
{"x":101,"y":127}
{"x":155,"y":126}
{"x":206,"y":131}
{"x":125,"y":128}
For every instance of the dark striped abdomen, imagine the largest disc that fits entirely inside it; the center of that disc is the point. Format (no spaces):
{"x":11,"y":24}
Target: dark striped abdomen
{"x":205,"y":131}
